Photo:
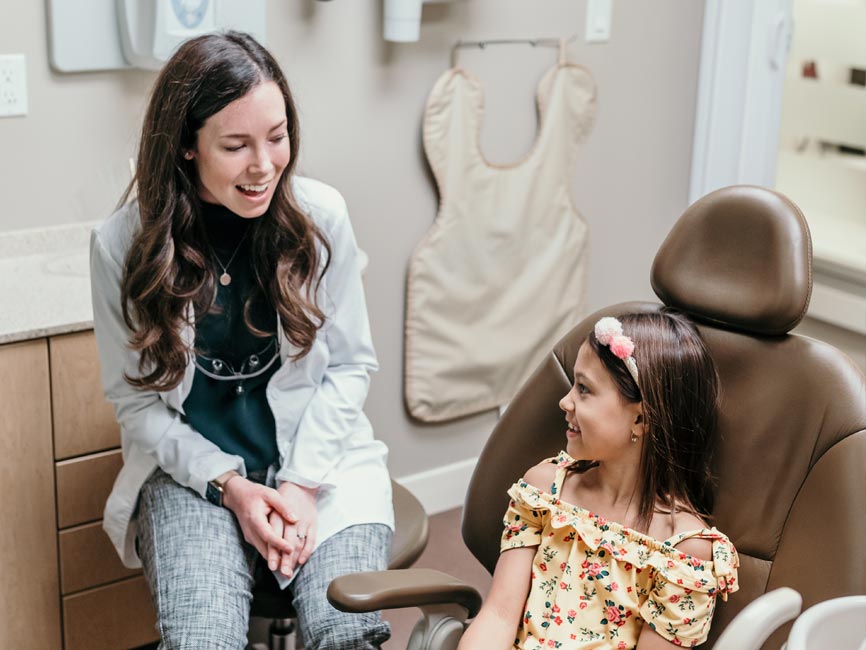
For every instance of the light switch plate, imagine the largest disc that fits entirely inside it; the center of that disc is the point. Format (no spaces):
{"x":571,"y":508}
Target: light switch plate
{"x":13,"y":85}
{"x":598,"y":19}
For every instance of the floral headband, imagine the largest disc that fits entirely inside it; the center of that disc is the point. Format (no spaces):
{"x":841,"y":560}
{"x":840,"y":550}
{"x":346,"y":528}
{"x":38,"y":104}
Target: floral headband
{"x":608,"y":331}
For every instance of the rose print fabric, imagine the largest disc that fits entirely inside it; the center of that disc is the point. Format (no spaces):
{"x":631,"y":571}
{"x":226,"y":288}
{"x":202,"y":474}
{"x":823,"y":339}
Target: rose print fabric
{"x":595,"y":583}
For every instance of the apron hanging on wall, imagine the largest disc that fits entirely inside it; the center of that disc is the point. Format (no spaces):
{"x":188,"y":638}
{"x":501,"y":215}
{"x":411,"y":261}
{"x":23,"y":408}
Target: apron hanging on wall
{"x":500,"y":276}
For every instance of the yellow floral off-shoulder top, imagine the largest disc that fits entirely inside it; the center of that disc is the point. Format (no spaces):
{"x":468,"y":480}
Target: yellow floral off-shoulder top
{"x":595,"y":583}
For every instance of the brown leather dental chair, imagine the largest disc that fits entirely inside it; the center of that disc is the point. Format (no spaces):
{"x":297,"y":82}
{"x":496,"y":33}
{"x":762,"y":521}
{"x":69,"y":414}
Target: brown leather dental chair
{"x":791,"y":461}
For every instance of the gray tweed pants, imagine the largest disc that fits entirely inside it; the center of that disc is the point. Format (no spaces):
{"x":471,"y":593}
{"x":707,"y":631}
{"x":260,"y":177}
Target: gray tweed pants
{"x":201,"y":571}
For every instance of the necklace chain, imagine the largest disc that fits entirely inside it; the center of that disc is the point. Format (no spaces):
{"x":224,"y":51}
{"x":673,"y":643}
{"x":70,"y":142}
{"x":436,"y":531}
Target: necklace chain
{"x":225,"y":278}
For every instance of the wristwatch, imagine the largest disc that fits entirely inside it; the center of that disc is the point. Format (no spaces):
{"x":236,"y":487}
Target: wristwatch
{"x":216,"y":487}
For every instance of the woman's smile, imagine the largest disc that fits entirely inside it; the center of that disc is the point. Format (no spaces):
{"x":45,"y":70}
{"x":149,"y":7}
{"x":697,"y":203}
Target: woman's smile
{"x":253,"y":189}
{"x":253,"y":193}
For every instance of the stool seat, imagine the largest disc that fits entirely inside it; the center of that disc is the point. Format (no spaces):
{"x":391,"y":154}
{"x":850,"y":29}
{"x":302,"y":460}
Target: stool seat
{"x":410,"y":538}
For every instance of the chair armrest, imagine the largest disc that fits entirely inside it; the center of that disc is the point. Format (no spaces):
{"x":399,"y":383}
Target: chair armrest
{"x":759,"y":619}
{"x":397,"y":588}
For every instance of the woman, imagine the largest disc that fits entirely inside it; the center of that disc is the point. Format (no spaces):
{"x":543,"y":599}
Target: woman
{"x":235,"y":347}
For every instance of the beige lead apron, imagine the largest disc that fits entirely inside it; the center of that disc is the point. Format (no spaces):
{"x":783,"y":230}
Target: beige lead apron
{"x":499,"y":277}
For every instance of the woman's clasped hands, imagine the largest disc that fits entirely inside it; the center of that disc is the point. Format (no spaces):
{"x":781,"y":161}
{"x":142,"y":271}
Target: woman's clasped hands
{"x":280,"y":523}
{"x":299,"y":531}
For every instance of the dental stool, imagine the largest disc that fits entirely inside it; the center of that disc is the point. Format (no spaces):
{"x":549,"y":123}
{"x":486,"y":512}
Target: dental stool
{"x":791,"y":461}
{"x":410,"y":538}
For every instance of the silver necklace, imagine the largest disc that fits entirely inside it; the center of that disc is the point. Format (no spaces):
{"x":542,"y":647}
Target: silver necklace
{"x":225,"y":278}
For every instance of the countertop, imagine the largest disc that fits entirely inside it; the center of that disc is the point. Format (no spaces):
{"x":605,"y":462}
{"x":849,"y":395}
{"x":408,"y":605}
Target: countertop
{"x":45,"y":282}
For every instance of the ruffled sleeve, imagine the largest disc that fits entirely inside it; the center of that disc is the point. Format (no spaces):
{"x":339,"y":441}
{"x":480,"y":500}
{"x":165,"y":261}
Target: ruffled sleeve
{"x":682,"y":601}
{"x":523,"y":520}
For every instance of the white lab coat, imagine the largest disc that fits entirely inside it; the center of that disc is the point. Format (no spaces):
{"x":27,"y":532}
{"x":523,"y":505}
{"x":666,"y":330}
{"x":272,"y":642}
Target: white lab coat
{"x":323,"y":437}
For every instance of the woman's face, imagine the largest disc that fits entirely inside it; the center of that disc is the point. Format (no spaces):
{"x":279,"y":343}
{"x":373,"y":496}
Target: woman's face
{"x":242,"y":151}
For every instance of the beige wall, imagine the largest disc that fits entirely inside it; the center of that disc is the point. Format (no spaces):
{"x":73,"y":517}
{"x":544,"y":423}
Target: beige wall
{"x":361,"y":101}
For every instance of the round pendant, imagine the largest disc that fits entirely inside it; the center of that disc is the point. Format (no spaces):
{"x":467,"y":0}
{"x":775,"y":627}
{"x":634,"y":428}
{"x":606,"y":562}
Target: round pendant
{"x":225,"y":279}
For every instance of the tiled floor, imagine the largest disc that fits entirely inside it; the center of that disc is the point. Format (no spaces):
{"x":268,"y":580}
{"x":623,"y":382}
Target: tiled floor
{"x":447,"y":553}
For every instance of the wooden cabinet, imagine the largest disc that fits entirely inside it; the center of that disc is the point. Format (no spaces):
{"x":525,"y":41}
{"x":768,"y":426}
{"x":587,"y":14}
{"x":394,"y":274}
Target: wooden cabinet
{"x":87,"y":559}
{"x":83,"y":420}
{"x":118,"y":615}
{"x":83,"y":485}
{"x":59,"y":449}
{"x":29,"y":580}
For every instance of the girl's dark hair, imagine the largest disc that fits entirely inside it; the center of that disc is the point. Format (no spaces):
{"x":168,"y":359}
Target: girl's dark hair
{"x":169,"y":266}
{"x":679,"y":389}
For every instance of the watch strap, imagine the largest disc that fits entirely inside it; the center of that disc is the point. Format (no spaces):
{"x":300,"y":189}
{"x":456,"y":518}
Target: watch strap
{"x":215,"y":490}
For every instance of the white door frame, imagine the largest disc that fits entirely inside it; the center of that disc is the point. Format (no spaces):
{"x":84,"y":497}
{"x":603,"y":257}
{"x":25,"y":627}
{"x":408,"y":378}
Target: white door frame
{"x":743,"y":54}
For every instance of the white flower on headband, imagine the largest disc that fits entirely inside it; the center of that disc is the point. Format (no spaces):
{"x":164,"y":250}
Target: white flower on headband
{"x":606,"y":329}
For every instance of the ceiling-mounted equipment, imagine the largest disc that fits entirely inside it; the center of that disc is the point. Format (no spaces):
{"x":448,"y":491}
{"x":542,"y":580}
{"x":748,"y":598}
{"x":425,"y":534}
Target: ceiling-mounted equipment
{"x":151,"y":30}
{"x":88,"y":35}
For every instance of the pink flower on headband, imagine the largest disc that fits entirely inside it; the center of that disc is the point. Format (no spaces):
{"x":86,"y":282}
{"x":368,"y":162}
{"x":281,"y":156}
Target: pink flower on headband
{"x":608,"y":331}
{"x":621,"y":346}
{"x":607,"y":328}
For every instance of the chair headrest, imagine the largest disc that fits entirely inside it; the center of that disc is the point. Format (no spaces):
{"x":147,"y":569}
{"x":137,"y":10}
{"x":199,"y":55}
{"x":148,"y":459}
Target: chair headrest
{"x":740,"y":257}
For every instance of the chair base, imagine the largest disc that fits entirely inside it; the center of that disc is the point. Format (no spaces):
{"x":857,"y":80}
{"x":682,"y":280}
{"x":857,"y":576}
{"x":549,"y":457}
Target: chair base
{"x":280,"y":634}
{"x":439,"y":628}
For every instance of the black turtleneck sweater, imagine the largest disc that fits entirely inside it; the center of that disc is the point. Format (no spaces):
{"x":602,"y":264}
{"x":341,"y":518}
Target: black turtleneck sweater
{"x":230,"y":411}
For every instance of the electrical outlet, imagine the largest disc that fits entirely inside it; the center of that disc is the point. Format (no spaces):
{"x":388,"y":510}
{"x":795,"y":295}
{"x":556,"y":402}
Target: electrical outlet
{"x":13,"y":85}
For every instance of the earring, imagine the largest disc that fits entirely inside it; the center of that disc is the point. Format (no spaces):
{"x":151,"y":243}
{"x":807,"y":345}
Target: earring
{"x":188,"y":155}
{"x":634,"y":437}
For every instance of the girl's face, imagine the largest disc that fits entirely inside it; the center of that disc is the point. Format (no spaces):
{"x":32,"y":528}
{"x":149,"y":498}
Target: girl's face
{"x":600,"y":420}
{"x":242,"y":150}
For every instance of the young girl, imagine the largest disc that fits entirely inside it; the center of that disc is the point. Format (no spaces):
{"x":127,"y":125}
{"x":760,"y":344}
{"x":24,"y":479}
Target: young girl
{"x":606,"y":545}
{"x":235,"y":346}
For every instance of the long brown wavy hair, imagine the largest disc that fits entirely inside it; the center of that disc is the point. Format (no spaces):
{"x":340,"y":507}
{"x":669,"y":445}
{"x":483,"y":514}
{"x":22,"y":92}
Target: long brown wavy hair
{"x":679,"y":388}
{"x":168,"y":268}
